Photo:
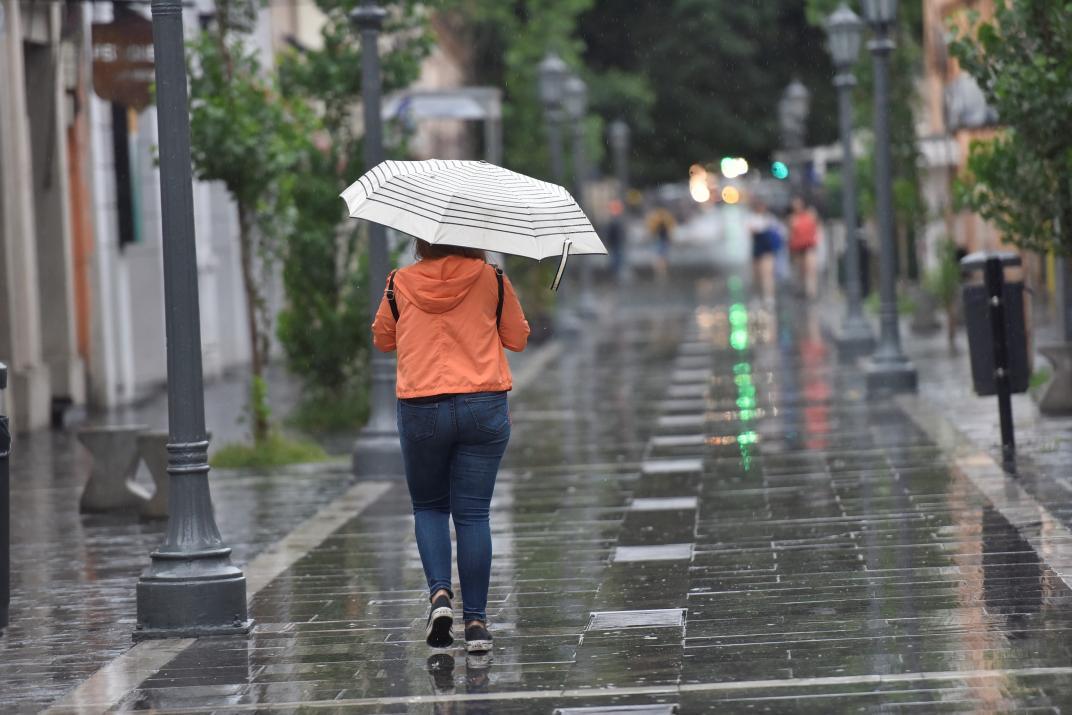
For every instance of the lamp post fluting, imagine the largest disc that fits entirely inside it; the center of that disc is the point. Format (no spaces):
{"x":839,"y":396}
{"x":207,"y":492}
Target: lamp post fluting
{"x":845,"y":32}
{"x":575,"y":100}
{"x":377,"y":451}
{"x":552,"y":75}
{"x":889,"y":370}
{"x":190,"y":587}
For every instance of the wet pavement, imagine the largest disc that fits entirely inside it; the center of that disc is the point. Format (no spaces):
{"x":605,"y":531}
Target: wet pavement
{"x":700,"y":511}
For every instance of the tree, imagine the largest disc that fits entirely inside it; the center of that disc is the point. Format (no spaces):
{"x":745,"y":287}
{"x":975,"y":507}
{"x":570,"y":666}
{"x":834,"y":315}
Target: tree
{"x":244,"y":134}
{"x":1021,"y":180}
{"x":324,"y":328}
{"x":716,"y":70}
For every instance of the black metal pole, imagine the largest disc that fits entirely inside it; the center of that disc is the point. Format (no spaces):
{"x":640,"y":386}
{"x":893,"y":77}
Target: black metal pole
{"x":855,"y":338}
{"x":5,"y":506}
{"x":377,"y":451}
{"x":190,"y":588}
{"x":585,"y":303}
{"x":890,"y":370}
{"x":554,"y":142}
{"x":995,"y":289}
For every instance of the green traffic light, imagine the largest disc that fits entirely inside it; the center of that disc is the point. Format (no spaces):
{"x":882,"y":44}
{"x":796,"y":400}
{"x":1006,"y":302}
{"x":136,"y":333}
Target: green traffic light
{"x":779,"y":170}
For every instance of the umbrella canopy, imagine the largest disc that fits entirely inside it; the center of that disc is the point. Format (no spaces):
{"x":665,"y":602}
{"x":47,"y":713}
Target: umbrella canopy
{"x":474,"y":204}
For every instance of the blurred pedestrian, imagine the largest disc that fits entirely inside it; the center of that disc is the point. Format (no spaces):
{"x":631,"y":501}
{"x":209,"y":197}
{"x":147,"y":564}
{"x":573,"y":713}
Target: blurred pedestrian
{"x":449,"y":316}
{"x":616,"y":238}
{"x":803,"y":245}
{"x":766,"y":241}
{"x":661,"y":225}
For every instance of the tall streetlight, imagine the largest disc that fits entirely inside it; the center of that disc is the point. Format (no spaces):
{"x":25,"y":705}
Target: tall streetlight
{"x":552,"y":75}
{"x":793,"y":110}
{"x":618,"y":134}
{"x":190,"y":587}
{"x":844,"y":31}
{"x":889,"y":369}
{"x":575,"y":102}
{"x":377,"y":451}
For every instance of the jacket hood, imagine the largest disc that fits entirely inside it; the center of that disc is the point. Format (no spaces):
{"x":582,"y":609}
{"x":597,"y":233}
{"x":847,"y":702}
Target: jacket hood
{"x":439,"y":285}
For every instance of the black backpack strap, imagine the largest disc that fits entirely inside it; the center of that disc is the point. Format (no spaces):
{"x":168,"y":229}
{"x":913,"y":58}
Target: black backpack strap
{"x":499,"y":307}
{"x":390,"y":295}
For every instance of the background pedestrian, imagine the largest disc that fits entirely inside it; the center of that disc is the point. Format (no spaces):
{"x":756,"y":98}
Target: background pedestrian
{"x":804,"y":239}
{"x":766,"y":241}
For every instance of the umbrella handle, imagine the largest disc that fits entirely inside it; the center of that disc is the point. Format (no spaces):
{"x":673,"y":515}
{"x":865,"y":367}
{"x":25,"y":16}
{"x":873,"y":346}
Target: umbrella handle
{"x":561,"y":265}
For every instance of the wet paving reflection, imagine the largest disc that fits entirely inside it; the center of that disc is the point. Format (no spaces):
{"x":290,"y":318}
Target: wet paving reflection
{"x":791,"y":546}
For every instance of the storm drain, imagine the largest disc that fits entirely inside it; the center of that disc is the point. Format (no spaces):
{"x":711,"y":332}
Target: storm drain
{"x":672,"y":421}
{"x":678,"y":440}
{"x":657,"y":618}
{"x":662,"y":503}
{"x":672,"y":466}
{"x":657,"y":552}
{"x":616,"y":709}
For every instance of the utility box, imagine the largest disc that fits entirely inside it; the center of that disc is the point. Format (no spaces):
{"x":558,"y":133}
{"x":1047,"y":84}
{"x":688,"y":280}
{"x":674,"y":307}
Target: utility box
{"x":977,"y":321}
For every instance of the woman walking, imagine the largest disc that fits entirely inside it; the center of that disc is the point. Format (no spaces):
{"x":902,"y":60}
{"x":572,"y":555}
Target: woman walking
{"x":803,"y":242}
{"x":449,"y":316}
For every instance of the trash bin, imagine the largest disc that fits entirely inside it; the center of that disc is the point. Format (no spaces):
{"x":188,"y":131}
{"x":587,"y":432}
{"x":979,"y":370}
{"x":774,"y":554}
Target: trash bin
{"x":5,"y":506}
{"x":977,"y":320}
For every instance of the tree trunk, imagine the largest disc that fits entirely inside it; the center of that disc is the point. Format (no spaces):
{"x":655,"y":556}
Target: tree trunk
{"x":257,"y":339}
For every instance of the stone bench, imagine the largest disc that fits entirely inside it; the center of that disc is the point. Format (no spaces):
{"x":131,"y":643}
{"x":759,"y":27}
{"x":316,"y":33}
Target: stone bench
{"x":114,"y":451}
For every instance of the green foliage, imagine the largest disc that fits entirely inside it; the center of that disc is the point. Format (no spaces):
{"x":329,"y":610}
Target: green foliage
{"x":1022,"y":179}
{"x":276,"y":450}
{"x":324,"y":328}
{"x":943,"y":281}
{"x":245,"y":134}
{"x":715,"y":70}
{"x":1039,"y":378}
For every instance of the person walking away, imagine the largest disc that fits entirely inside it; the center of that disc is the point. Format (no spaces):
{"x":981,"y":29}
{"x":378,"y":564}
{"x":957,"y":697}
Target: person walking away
{"x":660,"y":225}
{"x":766,"y":240}
{"x":449,"y":316}
{"x":803,"y":245}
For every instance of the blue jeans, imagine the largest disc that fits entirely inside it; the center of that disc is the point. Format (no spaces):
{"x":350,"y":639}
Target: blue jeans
{"x":451,"y":447}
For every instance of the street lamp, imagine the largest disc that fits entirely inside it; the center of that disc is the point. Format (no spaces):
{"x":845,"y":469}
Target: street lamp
{"x":793,"y":117}
{"x":190,"y":587}
{"x":889,"y":369}
{"x":552,"y":75}
{"x":575,"y":102}
{"x":844,"y":31}
{"x":377,"y":451}
{"x":618,"y":135}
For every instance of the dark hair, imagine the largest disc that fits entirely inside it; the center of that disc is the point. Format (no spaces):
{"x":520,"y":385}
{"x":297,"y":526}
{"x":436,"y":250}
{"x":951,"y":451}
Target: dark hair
{"x":425,"y":251}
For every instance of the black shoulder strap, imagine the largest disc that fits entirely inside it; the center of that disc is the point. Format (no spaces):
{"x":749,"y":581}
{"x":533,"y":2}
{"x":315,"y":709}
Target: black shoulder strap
{"x":499,"y":307}
{"x":390,"y":294}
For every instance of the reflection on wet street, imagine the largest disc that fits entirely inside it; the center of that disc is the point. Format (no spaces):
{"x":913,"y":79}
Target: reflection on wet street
{"x":700,"y":512}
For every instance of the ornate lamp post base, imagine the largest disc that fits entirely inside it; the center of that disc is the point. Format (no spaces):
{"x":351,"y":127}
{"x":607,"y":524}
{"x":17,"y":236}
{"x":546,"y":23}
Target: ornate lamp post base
{"x":173,"y":595}
{"x":377,"y":454}
{"x":888,"y":376}
{"x":854,"y":339}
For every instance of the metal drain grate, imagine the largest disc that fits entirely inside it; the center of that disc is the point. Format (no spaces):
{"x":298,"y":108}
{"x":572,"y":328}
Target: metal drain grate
{"x":657,"y":552}
{"x":656,"y":618}
{"x":672,"y":466}
{"x":662,"y":503}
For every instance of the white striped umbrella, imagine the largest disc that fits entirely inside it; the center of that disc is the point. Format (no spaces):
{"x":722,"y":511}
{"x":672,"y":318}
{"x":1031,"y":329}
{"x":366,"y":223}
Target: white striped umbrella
{"x":477,"y":205}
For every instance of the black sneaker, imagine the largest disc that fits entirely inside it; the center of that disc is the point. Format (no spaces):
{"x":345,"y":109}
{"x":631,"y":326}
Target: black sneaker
{"x":477,"y":639}
{"x":439,"y":631}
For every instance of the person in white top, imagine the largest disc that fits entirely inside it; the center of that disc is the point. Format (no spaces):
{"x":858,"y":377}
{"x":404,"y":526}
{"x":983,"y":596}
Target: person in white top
{"x":766,"y":239}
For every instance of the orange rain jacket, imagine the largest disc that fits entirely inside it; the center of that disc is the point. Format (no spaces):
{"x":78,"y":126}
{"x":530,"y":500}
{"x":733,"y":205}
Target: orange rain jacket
{"x":445,"y":334}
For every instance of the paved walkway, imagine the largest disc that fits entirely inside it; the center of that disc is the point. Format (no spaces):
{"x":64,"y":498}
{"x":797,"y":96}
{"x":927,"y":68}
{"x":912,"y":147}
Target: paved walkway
{"x":700,"y":509}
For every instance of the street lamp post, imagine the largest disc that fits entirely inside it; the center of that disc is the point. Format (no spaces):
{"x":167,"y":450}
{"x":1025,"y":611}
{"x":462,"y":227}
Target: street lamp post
{"x":889,"y":369}
{"x":190,"y":587}
{"x":793,"y":116}
{"x":377,"y":451}
{"x":553,"y":73}
{"x":575,"y":100}
{"x":844,"y":31}
{"x":619,"y":144}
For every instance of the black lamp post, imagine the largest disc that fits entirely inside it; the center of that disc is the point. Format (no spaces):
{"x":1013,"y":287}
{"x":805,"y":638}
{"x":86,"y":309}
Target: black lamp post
{"x":889,"y":369}
{"x":190,"y":588}
{"x":844,"y":31}
{"x":575,"y":102}
{"x":618,"y":134}
{"x":793,"y":118}
{"x":552,"y":76}
{"x":377,"y":451}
